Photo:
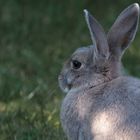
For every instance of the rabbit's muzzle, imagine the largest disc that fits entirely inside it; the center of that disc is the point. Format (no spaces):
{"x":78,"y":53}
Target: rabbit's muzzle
{"x":65,"y":83}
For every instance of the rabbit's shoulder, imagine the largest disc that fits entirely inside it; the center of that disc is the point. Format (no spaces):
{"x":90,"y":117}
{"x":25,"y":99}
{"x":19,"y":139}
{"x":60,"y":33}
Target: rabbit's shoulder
{"x":130,"y":88}
{"x":122,"y":93}
{"x":125,"y":84}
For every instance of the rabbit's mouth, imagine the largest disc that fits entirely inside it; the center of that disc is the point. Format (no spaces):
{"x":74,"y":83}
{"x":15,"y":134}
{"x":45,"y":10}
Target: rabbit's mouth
{"x":69,"y":86}
{"x":67,"y":89}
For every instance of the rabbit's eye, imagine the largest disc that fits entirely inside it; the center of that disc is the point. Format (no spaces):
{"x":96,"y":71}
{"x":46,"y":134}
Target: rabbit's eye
{"x":76,"y":64}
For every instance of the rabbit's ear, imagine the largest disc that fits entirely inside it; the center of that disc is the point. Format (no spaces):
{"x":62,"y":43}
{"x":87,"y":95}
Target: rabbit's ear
{"x":101,"y":49}
{"x":123,"y":30}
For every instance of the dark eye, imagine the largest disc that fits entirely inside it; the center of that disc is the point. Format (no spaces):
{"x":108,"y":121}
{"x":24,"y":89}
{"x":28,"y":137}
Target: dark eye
{"x":76,"y":64}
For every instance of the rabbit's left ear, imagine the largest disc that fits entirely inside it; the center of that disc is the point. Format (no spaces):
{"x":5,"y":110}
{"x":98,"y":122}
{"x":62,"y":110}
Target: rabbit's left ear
{"x":98,"y":37}
{"x":123,"y":30}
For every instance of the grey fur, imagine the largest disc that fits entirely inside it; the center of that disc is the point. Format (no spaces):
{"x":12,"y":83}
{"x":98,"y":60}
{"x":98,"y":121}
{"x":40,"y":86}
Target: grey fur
{"x":101,"y":104}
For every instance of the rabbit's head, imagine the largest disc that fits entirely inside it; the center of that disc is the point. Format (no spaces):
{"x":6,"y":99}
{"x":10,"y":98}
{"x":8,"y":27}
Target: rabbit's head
{"x":101,"y":61}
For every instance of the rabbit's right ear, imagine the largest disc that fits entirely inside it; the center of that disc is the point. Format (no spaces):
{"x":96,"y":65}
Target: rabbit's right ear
{"x":123,"y":30}
{"x":101,"y":49}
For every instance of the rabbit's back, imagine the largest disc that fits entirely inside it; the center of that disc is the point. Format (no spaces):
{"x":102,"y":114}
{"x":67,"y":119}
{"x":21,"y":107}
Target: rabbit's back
{"x":106,"y":112}
{"x":117,"y":111}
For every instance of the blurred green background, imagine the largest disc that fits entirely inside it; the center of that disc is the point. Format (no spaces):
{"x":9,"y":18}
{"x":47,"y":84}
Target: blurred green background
{"x":36,"y":37}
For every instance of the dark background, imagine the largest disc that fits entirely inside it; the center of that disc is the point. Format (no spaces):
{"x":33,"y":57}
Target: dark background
{"x":36,"y":37}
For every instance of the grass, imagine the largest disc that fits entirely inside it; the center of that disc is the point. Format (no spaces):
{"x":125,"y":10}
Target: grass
{"x":35,"y":39}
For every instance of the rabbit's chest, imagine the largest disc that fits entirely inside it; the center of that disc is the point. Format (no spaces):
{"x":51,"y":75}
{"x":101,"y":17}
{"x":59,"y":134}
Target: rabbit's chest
{"x":73,"y":107}
{"x":76,"y":105}
{"x":74,"y":114}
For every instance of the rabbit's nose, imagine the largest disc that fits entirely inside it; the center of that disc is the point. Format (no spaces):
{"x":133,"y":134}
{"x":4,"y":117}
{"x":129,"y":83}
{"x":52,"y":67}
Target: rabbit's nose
{"x":69,"y":80}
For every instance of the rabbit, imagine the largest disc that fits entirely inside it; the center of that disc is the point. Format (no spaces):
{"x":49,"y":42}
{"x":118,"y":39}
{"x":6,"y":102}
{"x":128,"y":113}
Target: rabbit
{"x":101,"y":103}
